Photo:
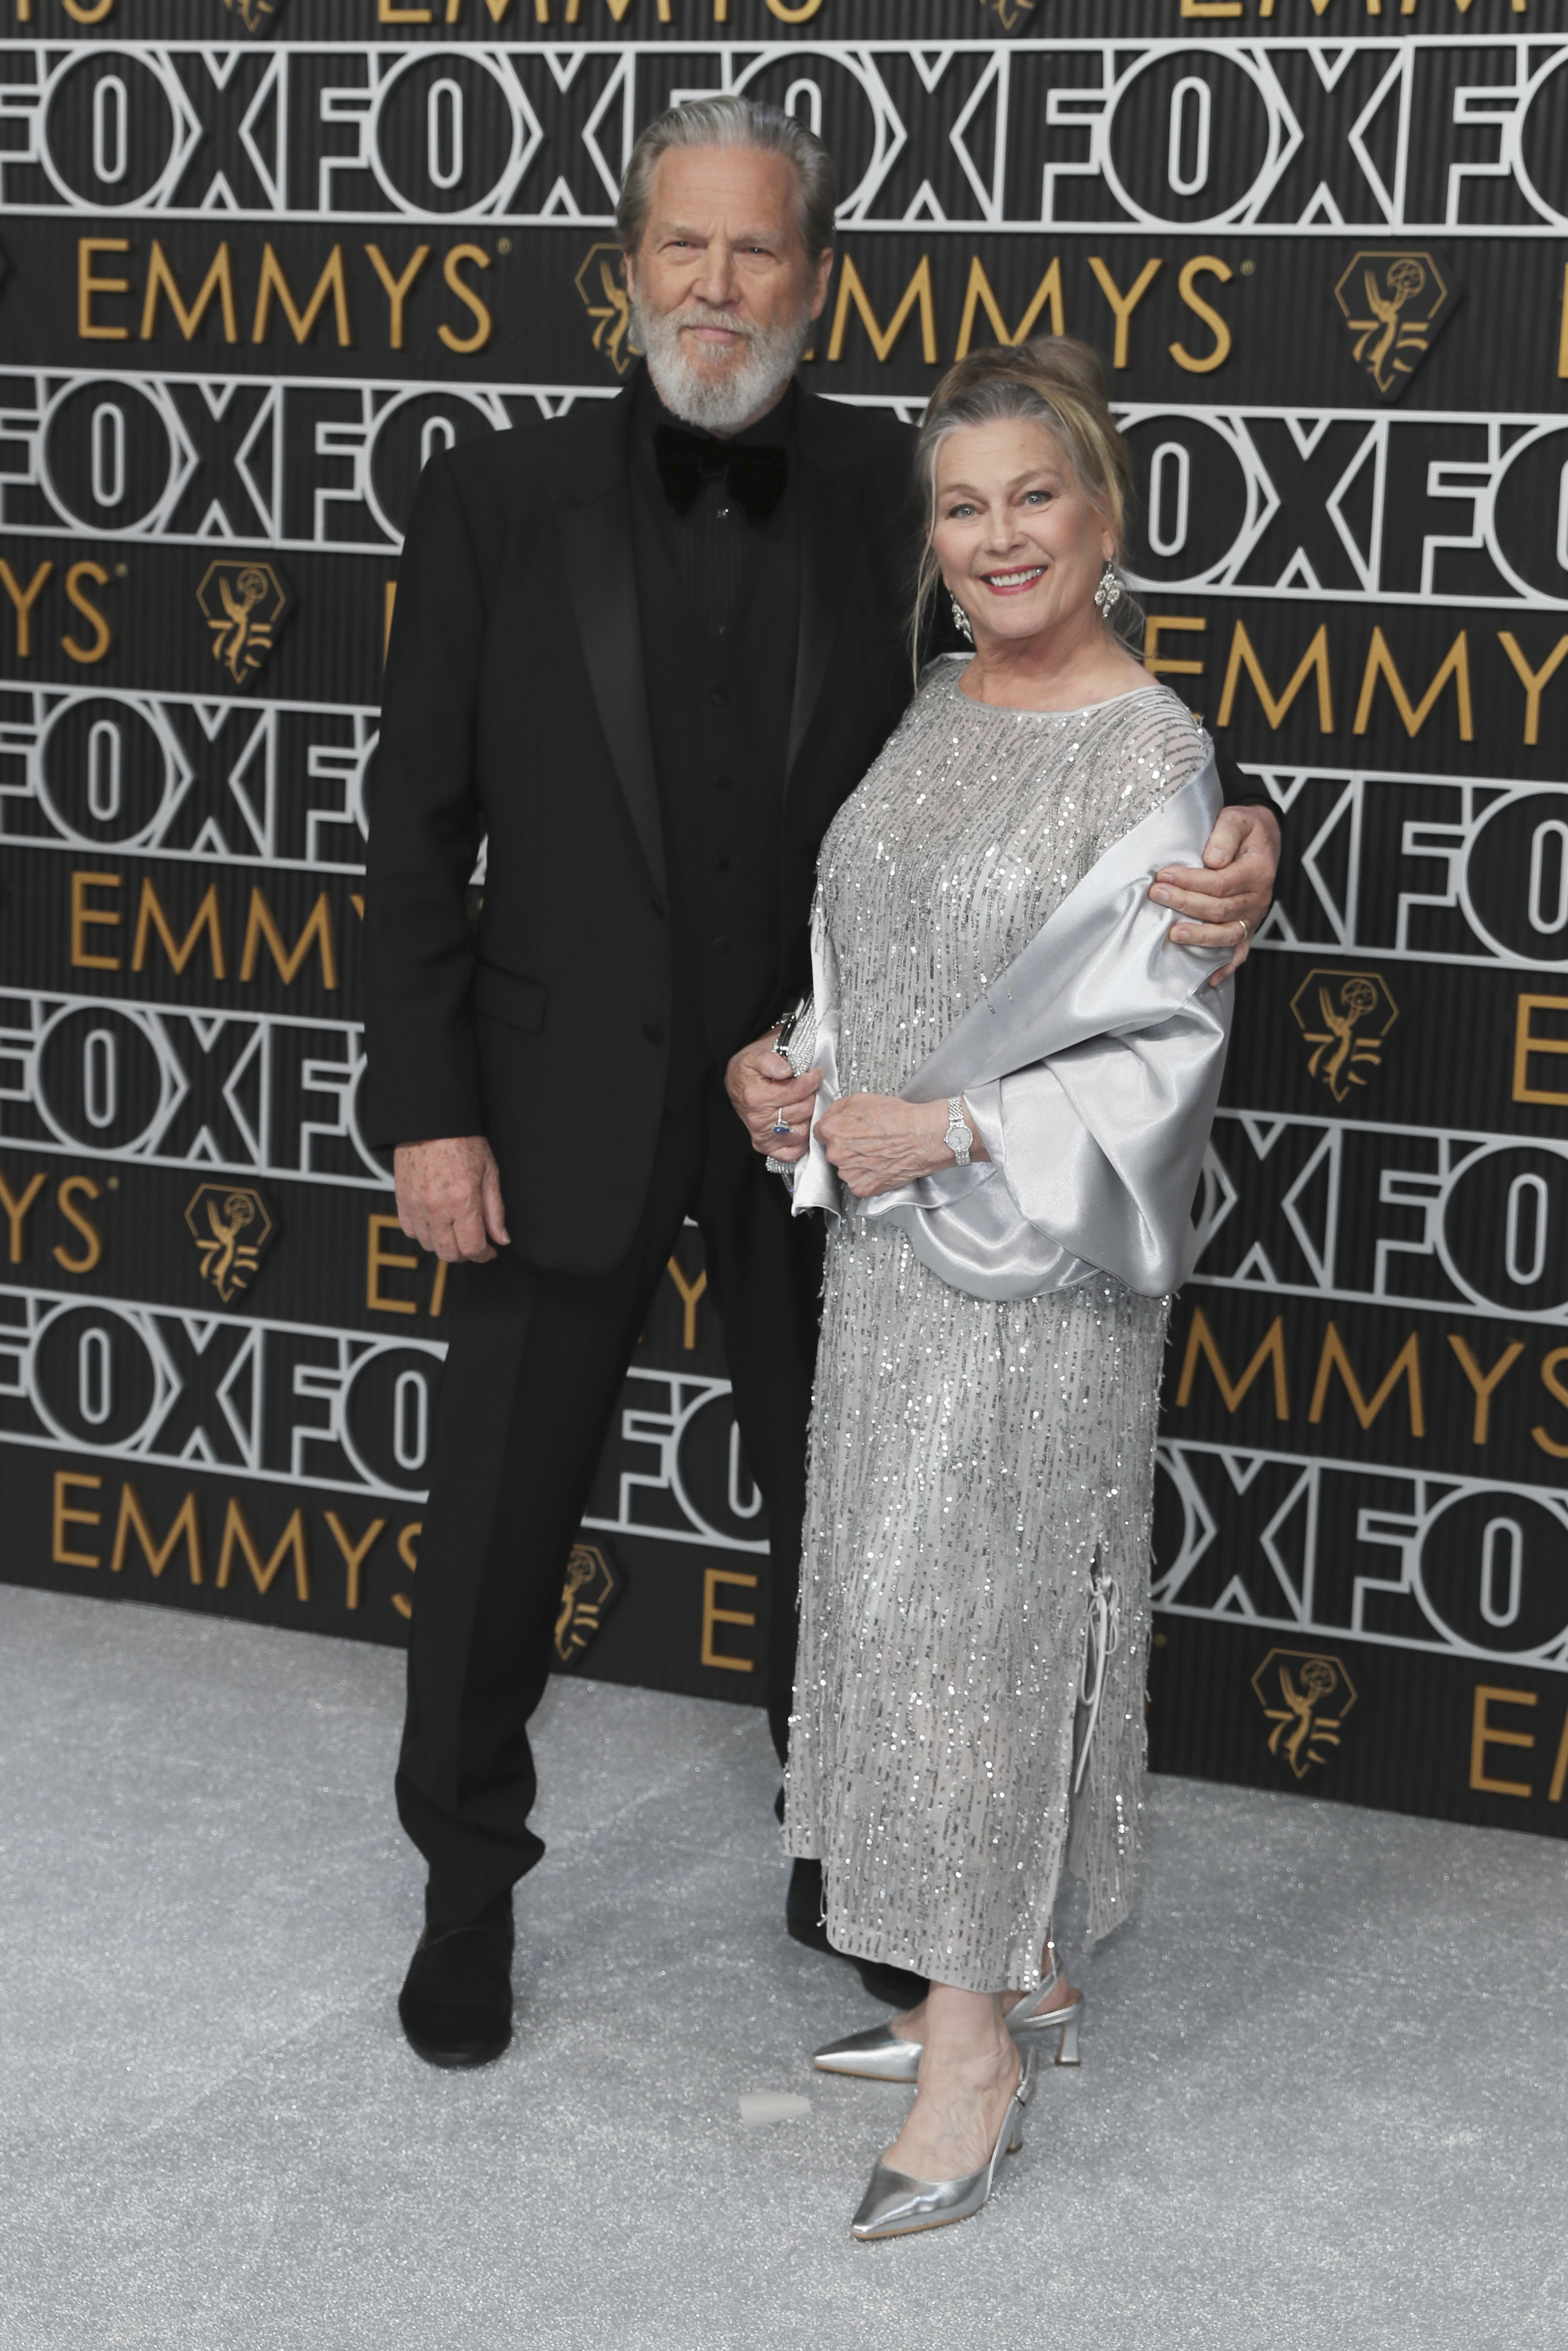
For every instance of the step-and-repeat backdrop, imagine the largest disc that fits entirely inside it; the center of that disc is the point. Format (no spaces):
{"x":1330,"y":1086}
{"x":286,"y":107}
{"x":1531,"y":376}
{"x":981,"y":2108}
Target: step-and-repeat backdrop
{"x":261,"y":256}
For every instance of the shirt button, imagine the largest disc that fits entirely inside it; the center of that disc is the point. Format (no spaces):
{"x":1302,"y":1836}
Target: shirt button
{"x":719,"y":697}
{"x":721,"y":783}
{"x":719,"y":943}
{"x":722,"y":514}
{"x":653,"y":1032}
{"x":721,"y":865}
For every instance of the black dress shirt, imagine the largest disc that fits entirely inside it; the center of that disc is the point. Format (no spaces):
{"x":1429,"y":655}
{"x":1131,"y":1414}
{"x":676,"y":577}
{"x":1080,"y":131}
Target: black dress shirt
{"x":709,"y":546}
{"x":718,"y":600}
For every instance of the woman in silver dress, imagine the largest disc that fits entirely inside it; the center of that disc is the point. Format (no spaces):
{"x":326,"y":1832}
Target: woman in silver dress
{"x":1018,"y":1074}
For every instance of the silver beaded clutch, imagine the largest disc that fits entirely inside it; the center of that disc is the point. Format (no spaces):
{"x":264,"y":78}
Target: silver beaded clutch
{"x":797,"y":1041}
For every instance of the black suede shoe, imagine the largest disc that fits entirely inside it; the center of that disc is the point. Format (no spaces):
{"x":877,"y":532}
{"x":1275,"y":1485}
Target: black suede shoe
{"x":895,"y":1987}
{"x":455,"y":2005}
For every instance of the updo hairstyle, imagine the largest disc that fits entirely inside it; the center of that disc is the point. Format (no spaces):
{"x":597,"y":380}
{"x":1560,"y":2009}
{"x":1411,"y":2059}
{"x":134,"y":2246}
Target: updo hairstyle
{"x":1054,"y":381}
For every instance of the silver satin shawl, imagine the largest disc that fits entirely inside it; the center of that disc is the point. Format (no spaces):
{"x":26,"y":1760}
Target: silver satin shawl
{"x":1092,"y":1067}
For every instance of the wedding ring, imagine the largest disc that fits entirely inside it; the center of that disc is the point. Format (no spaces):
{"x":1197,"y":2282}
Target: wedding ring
{"x":1245,"y":934}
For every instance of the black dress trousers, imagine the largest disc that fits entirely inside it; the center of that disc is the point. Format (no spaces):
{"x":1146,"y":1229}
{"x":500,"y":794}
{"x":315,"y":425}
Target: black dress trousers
{"x":535,"y":1365}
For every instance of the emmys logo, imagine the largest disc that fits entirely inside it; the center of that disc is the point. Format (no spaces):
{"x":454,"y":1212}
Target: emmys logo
{"x":243,"y":604}
{"x":1344,"y":1016}
{"x":604,"y":292}
{"x":1007,"y":13}
{"x":252,"y":14}
{"x":231,"y":1228}
{"x":1294,"y":1688}
{"x":1392,"y":304}
{"x":589,"y":1591}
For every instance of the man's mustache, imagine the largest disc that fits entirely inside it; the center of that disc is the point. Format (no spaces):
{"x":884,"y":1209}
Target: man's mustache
{"x":699,"y":316}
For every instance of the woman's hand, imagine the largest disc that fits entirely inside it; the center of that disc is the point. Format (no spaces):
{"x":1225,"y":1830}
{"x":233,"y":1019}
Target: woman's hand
{"x":877,"y":1142}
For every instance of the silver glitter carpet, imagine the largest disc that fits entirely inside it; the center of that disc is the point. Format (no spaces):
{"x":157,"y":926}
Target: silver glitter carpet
{"x":1321,"y":2104}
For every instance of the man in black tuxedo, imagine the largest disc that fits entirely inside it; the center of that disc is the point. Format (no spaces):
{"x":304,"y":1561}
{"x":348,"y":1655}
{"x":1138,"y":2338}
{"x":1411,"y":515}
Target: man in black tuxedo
{"x":645,"y":653}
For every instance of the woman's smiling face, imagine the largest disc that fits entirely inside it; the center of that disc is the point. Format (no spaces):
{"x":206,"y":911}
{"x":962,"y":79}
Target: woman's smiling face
{"x":1020,"y":544}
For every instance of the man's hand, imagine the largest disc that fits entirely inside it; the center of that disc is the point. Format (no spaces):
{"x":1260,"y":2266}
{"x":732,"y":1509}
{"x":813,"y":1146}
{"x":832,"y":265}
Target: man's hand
{"x":449,"y":1198}
{"x":764,"y":1088}
{"x":1242,"y":860}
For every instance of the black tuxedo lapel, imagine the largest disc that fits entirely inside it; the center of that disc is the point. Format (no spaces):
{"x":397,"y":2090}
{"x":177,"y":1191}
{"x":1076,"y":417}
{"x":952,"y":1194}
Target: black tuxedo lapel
{"x":595,"y":525}
{"x":831,"y":495}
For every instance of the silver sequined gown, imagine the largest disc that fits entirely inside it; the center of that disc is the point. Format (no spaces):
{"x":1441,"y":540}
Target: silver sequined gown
{"x":973,"y":1463}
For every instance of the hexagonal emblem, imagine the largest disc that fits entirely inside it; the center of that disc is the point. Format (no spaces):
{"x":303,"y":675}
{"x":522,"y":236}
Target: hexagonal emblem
{"x":233,"y":1228}
{"x":1394,"y":300}
{"x":255,"y":15}
{"x":1344,"y":1016}
{"x":589,"y":1592}
{"x":1306,"y":1695}
{"x":601,"y":284}
{"x":243,"y":604}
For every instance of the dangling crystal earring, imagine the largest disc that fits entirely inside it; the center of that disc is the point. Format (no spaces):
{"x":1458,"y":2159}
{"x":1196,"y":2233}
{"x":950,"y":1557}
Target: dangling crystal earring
{"x":961,"y":619}
{"x":1108,"y":594}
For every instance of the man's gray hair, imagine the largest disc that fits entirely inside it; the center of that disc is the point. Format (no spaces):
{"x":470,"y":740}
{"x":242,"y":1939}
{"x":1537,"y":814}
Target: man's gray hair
{"x":732,"y":121}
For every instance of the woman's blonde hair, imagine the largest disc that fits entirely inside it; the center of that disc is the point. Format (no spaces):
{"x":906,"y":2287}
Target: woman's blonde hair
{"x":1053,"y":380}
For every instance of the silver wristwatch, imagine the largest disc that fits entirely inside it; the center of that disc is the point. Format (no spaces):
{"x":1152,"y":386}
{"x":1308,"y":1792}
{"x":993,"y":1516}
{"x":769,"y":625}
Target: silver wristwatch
{"x":960,"y":1137}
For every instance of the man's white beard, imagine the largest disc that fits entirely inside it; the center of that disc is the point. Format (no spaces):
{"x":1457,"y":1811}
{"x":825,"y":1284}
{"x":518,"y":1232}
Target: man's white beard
{"x":716,"y":399}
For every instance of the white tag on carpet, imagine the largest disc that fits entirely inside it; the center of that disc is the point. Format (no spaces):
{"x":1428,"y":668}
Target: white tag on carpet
{"x":759,"y":2107}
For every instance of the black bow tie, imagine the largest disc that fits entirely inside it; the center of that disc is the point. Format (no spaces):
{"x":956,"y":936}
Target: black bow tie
{"x":753,"y":477}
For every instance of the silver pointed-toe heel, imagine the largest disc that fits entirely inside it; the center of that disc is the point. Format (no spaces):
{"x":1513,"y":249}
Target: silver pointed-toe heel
{"x":894,"y":2205}
{"x":878,"y":2055}
{"x":1032,"y":2026}
{"x":881,"y":2055}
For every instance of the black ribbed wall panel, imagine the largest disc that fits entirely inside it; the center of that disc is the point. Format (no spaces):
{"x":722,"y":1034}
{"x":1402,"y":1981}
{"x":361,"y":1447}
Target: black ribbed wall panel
{"x":259,"y":260}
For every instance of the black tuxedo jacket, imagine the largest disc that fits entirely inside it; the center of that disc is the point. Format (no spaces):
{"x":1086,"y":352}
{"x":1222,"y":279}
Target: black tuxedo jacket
{"x":514,"y":706}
